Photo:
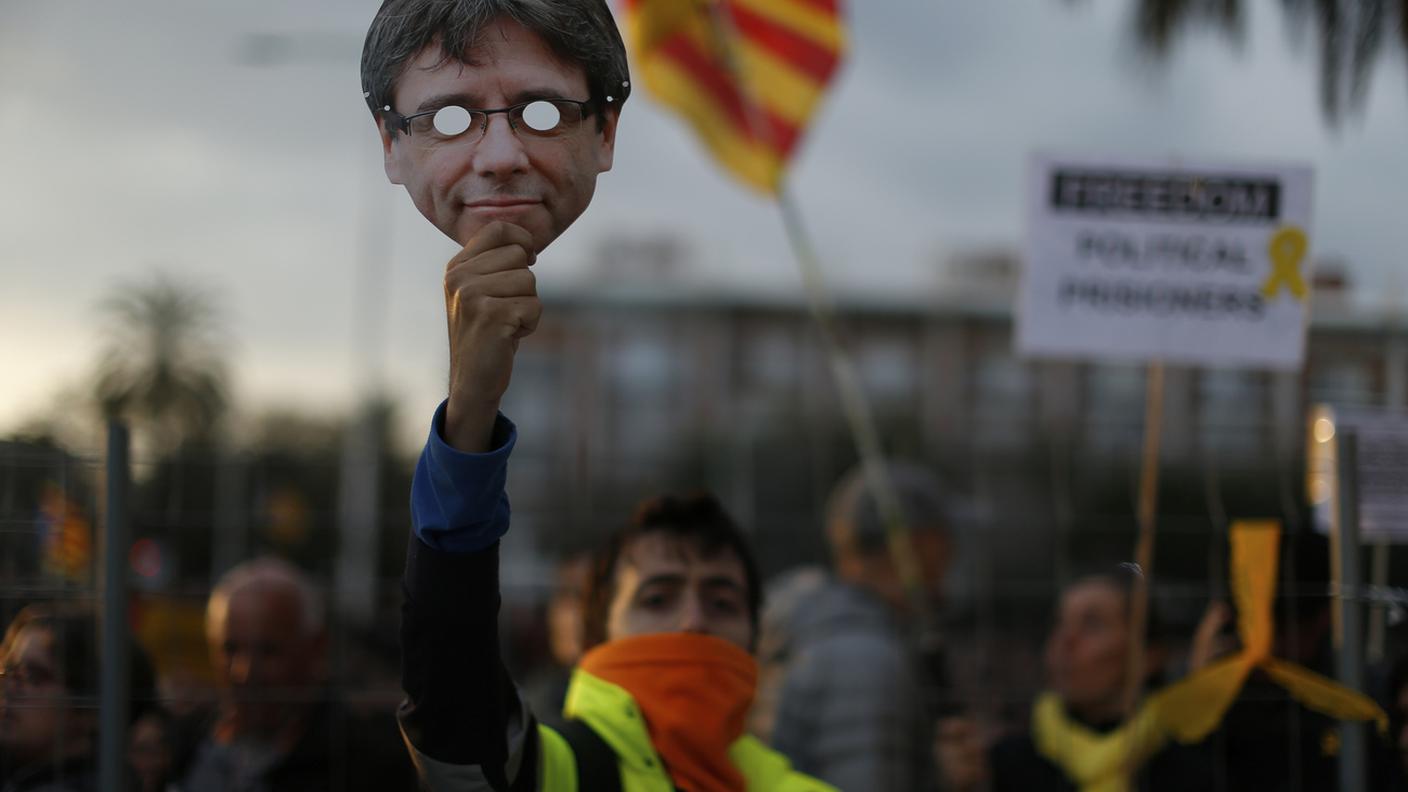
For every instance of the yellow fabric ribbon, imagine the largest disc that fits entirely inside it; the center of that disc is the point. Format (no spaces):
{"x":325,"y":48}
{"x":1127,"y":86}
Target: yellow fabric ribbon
{"x":1096,"y":762}
{"x":1287,"y":249}
{"x":1195,"y":705}
{"x":1190,"y":709}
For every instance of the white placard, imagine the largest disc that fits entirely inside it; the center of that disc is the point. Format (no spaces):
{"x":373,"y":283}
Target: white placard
{"x":1381,"y":467}
{"x":1184,"y":262}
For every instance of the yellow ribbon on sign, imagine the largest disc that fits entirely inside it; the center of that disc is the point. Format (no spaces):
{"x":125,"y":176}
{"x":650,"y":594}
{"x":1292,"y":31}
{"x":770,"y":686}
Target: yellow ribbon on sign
{"x":1286,"y":249}
{"x":1190,"y":709}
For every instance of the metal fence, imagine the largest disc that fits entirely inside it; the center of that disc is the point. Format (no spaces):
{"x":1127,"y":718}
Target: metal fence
{"x":1040,"y":461}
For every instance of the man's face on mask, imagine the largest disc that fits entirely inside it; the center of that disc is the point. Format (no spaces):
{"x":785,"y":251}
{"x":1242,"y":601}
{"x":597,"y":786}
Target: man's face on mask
{"x":461,"y":183}
{"x":664,"y":584}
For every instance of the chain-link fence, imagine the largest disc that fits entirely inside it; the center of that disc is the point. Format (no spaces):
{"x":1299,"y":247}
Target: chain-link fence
{"x":618,"y":399}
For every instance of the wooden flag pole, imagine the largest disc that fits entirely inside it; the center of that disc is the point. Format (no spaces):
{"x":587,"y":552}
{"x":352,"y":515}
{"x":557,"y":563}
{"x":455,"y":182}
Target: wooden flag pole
{"x":1144,"y":547}
{"x":854,"y":404}
{"x":856,"y":408}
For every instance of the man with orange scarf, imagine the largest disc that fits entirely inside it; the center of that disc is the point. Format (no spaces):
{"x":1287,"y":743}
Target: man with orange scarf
{"x":497,"y":116}
{"x":657,"y":703}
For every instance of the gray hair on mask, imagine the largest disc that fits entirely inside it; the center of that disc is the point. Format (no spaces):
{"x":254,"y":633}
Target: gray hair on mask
{"x":580,"y":32}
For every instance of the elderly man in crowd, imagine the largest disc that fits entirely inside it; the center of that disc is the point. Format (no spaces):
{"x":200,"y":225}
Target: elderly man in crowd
{"x":277,"y":728}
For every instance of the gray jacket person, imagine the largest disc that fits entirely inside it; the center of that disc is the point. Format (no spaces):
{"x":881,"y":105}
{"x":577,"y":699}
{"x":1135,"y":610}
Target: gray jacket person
{"x":851,"y":706}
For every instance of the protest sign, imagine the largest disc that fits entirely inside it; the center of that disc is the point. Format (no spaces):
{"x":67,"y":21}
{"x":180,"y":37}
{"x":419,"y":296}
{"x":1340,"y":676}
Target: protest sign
{"x":1180,"y":262}
{"x":1380,"y":466}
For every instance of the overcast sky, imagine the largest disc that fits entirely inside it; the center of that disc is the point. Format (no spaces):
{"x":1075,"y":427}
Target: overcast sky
{"x":146,"y":135}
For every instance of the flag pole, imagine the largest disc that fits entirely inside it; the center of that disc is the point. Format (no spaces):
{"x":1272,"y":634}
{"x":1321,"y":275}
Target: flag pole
{"x":1144,"y":546}
{"x":854,"y":404}
{"x":856,"y":407}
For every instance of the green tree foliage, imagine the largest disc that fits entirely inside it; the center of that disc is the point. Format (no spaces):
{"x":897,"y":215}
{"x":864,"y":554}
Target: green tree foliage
{"x":162,"y":366}
{"x":1350,"y":37}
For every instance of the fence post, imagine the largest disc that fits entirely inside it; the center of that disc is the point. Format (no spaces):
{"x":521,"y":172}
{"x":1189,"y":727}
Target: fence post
{"x":1351,"y":648}
{"x":114,"y":636}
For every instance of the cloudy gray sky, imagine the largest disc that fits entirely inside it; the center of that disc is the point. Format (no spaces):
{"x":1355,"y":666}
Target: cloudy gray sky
{"x":160,"y":135}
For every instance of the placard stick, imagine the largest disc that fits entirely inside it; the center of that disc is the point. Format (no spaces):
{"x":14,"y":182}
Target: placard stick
{"x":1336,"y":538}
{"x":1144,"y":547}
{"x":1351,"y":649}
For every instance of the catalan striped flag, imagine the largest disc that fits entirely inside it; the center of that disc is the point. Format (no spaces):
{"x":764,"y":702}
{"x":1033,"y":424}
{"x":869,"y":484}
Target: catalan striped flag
{"x":66,"y":535}
{"x":746,"y":74}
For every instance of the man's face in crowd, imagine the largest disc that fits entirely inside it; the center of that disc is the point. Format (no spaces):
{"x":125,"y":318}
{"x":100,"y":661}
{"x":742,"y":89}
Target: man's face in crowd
{"x":33,"y":704}
{"x":460,"y":185}
{"x":267,"y":661}
{"x":1085,"y":654}
{"x":664,"y":584}
{"x":149,"y":751}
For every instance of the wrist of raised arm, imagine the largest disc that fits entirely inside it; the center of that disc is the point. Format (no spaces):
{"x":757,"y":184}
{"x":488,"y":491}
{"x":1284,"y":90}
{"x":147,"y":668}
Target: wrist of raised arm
{"x":458,"y":499}
{"x":470,"y":423}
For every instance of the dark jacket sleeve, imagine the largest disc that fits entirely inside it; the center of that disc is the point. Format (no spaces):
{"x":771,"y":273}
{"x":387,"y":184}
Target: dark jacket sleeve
{"x":1017,"y":767}
{"x":463,"y":719}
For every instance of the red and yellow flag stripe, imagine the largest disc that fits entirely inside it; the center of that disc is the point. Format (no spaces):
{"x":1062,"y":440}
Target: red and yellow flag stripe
{"x":67,"y":537}
{"x":746,"y":74}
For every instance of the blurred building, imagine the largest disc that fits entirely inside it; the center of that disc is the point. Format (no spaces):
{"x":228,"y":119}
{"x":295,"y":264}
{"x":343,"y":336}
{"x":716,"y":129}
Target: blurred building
{"x":632,"y":384}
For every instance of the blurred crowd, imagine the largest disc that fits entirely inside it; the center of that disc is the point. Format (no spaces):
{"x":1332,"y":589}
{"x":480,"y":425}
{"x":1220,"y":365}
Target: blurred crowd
{"x":855,"y":681}
{"x":272,"y":722}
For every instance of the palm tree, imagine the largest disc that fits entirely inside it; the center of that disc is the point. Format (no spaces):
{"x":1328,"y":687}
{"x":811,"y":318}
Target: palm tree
{"x":162,"y":368}
{"x":1350,"y":33}
{"x":1159,"y":22}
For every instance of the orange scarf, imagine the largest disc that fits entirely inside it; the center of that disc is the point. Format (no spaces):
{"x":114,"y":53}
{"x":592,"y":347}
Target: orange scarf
{"x":694,"y":691}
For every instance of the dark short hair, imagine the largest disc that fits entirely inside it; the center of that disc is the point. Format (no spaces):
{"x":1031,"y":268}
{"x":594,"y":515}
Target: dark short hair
{"x":580,"y":32}
{"x":78,"y":657}
{"x":922,"y":501}
{"x":697,"y":518}
{"x":1124,"y":578}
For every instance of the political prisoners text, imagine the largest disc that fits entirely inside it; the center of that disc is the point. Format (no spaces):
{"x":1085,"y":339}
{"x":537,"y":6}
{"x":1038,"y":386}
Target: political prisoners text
{"x":1180,"y":271}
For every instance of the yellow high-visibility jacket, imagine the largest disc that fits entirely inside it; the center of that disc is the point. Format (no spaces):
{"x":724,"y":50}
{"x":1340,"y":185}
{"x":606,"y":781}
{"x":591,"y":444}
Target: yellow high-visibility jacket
{"x":611,"y":712}
{"x":466,"y":725}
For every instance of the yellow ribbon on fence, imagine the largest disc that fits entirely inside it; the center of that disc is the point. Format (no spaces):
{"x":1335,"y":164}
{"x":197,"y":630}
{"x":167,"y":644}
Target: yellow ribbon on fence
{"x":1190,"y":709}
{"x":1196,"y":704}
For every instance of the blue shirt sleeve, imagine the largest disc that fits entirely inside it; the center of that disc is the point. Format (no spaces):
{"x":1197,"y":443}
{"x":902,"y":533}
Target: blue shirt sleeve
{"x":458,"y":502}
